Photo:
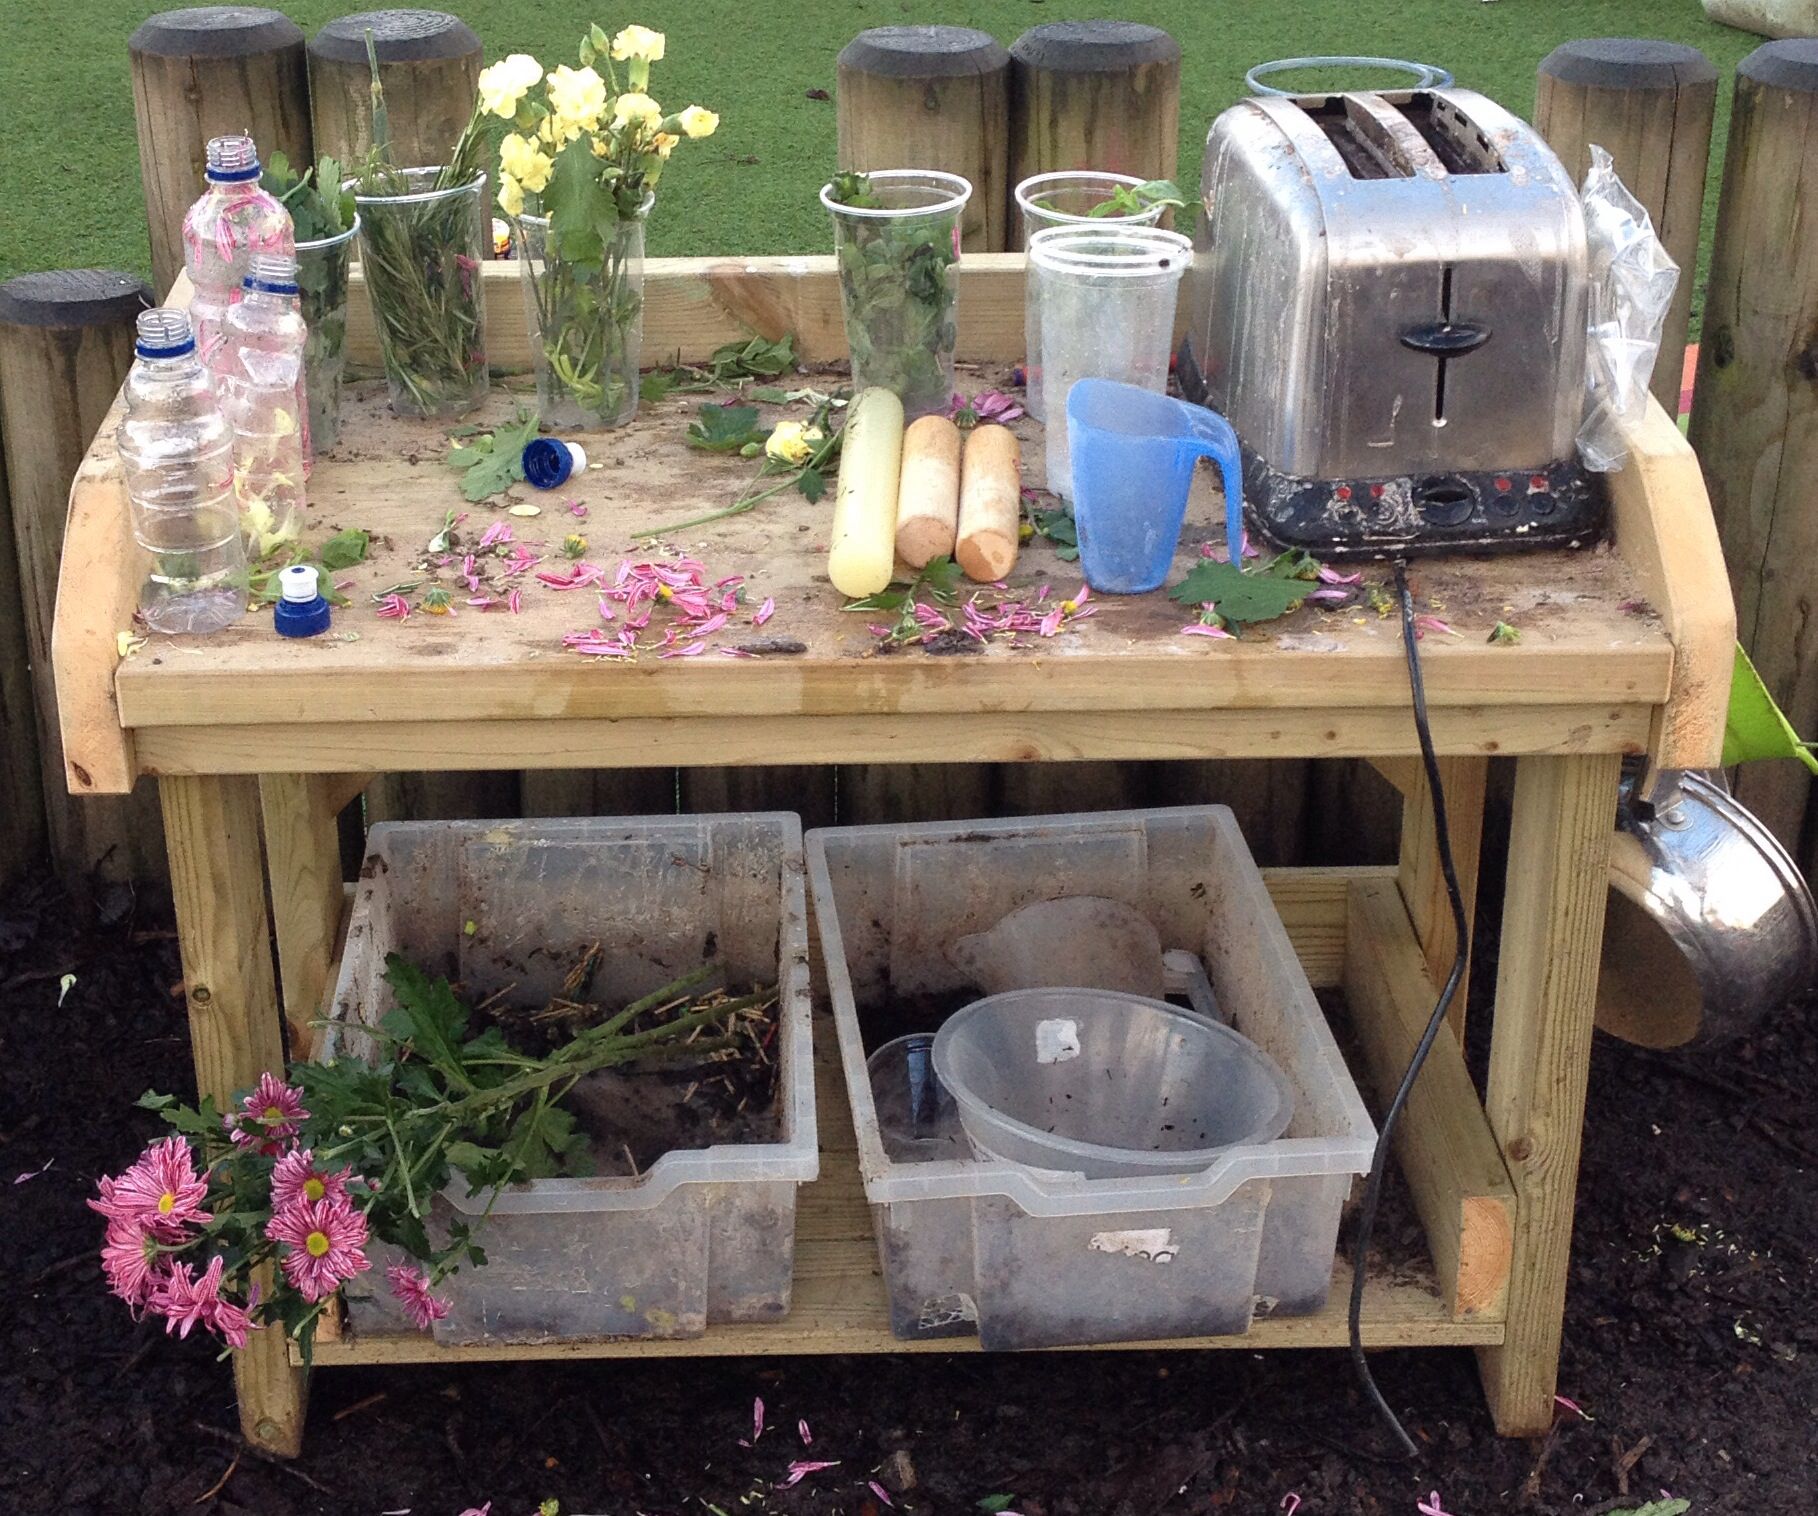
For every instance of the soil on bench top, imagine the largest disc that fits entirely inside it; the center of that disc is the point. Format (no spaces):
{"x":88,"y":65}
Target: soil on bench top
{"x":1690,"y":1340}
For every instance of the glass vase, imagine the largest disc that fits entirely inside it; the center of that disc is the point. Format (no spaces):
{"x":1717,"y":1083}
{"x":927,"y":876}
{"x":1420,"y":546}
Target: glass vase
{"x":322,"y":287}
{"x":586,"y":320}
{"x":1064,"y":198}
{"x":896,"y":288}
{"x":422,"y":250}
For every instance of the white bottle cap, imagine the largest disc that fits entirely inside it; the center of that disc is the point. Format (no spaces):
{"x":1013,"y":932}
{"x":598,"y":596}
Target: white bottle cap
{"x":298,"y":584}
{"x":579,"y":454}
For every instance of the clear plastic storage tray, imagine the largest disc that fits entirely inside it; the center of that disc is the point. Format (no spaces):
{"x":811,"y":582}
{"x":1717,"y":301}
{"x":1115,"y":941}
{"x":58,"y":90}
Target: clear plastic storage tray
{"x":701,"y":1236}
{"x":1028,"y":1260}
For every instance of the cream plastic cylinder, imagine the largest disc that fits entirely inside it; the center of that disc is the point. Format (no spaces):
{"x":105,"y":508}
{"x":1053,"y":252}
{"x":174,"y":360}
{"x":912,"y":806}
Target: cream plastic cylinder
{"x":862,"y":550}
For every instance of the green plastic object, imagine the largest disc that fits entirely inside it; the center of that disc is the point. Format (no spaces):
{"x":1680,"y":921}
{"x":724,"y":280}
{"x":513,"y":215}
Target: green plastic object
{"x":1756,"y":727}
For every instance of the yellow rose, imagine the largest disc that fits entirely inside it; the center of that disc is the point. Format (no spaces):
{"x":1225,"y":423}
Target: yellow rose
{"x":792,"y":442}
{"x":511,"y":195}
{"x":576,"y":96}
{"x":633,"y":108}
{"x":504,"y":84}
{"x":520,"y":160}
{"x":698,"y":122}
{"x":638,"y":42}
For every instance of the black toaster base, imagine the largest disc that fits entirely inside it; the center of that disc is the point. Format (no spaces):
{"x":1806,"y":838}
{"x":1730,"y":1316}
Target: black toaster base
{"x":1513,"y":511}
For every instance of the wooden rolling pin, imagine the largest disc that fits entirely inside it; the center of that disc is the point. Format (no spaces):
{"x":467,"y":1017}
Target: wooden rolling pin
{"x":990,"y":509}
{"x":862,"y":550}
{"x":927,"y":510}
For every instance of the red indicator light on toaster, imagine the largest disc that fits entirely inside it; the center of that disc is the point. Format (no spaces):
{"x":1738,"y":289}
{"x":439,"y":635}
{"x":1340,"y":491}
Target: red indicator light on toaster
{"x":1537,"y":481}
{"x":1342,"y":492}
{"x":1376,"y":492}
{"x":1503,"y":482}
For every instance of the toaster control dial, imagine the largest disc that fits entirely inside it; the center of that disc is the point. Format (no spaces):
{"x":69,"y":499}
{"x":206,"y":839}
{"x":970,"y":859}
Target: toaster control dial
{"x":1445,"y":500}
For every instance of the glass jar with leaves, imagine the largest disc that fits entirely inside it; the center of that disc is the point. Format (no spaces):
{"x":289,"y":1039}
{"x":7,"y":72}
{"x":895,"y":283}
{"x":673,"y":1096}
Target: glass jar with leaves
{"x":897,"y":235}
{"x":578,"y":174}
{"x":423,"y":237}
{"x":322,"y":208}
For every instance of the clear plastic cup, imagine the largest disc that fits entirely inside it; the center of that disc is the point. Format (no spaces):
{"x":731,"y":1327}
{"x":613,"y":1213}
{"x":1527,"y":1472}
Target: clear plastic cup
{"x":896,"y":286}
{"x":1134,"y":452}
{"x":421,"y":252}
{"x":1063,"y":198}
{"x":322,"y":279}
{"x":1108,"y":296}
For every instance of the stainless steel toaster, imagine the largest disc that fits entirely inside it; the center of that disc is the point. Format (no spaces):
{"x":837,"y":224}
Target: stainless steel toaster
{"x":1388,"y":303}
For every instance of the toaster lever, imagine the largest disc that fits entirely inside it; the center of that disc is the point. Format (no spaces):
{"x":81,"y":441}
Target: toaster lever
{"x":1445,"y":339}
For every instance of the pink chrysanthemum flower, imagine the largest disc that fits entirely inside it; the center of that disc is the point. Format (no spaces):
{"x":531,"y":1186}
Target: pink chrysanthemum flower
{"x":186,"y":1301}
{"x":326,"y":1239}
{"x":273,"y":1112}
{"x":233,"y":1321}
{"x":129,"y":1259}
{"x":411,"y":1287}
{"x":297,"y":1177}
{"x":161,"y":1192}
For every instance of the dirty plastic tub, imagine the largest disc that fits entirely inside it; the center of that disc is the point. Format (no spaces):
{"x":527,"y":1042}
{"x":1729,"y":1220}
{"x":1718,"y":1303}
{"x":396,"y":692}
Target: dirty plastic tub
{"x":1134,"y":453}
{"x":1106,"y":1085}
{"x":1023,"y":1259}
{"x":699,"y":1237}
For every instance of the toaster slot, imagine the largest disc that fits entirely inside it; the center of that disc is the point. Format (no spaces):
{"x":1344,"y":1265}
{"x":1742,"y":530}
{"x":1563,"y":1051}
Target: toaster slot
{"x":1368,"y":151}
{"x":1456,"y":140}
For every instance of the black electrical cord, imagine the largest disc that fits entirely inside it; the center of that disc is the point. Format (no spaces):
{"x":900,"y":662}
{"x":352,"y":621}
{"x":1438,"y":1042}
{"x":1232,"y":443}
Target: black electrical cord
{"x":1442,"y":837}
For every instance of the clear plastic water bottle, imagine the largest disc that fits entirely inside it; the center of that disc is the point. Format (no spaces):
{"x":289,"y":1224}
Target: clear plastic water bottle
{"x":234,"y":219}
{"x":177,"y":449}
{"x":262,"y":391}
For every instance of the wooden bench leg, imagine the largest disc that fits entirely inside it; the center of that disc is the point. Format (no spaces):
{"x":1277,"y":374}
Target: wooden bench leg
{"x":1423,"y":885}
{"x":1540,"y":1054}
{"x":303,"y":855}
{"x":217,"y":876}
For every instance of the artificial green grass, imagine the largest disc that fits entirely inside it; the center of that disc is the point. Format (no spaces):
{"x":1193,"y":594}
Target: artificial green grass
{"x":69,"y":168}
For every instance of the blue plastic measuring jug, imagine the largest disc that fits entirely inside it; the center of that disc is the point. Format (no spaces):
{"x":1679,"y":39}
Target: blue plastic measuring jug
{"x":1133,"y":455}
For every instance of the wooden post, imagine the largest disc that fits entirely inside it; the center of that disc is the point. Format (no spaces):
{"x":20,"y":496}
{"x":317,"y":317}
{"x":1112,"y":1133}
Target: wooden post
{"x":933,"y":97}
{"x":429,"y":63}
{"x":218,"y":883}
{"x":1540,"y":1056}
{"x":1755,"y":416}
{"x":1093,"y":95}
{"x":1648,"y":104}
{"x":66,"y":341}
{"x":205,"y":72}
{"x":22,"y":833}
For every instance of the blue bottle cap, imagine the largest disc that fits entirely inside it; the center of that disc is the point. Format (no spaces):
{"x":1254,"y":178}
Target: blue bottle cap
{"x":548,"y":461}
{"x":301,"y":611}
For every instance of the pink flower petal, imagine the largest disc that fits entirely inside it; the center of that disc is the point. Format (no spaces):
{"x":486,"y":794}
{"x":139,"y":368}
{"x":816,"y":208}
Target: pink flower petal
{"x":801,"y":1429}
{"x":1205,"y":629}
{"x":881,"y":1493}
{"x":803,"y":1467}
{"x":764,"y":611}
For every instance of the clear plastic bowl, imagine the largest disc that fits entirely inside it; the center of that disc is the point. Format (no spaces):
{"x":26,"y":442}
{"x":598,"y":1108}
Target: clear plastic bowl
{"x":1105,"y":1084}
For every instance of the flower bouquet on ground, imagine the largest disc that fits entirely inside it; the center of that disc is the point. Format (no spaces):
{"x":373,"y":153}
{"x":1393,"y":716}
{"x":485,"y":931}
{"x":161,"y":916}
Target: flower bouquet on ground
{"x":423,"y":234}
{"x":257,"y":1218}
{"x":322,"y":209}
{"x":577,"y":177}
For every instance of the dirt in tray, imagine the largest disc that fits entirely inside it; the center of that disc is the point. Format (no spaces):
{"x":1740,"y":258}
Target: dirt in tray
{"x":1690,"y":1340}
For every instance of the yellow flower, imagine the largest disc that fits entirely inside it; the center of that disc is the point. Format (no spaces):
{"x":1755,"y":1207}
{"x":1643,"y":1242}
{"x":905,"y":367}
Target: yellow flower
{"x":638,"y":42}
{"x":511,"y":195}
{"x":633,"y":108}
{"x":576,"y":96}
{"x":518,"y":157}
{"x":663,"y":144}
{"x":792,"y":442}
{"x":698,"y":122}
{"x":504,"y":84}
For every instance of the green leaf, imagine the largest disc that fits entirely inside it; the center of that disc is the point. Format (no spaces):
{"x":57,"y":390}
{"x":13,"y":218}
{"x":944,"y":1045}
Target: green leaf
{"x":1241,"y":597}
{"x":1058,"y":527}
{"x":769,"y":394}
{"x":811,"y":483}
{"x":726,"y":428}
{"x":1755,"y":726}
{"x":577,"y":202}
{"x":1677,"y":1506}
{"x":755,"y":358}
{"x":494,"y":461}
{"x":995,"y":1503}
{"x":427,"y":1011}
{"x":344,"y":549}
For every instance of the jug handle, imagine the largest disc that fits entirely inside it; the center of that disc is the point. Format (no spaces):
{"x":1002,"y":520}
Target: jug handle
{"x":1213,"y":438}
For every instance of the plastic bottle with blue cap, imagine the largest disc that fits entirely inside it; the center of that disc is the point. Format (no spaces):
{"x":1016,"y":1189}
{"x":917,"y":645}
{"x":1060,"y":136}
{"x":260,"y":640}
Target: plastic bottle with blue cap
{"x":302,"y":609}
{"x":235,"y":218}
{"x":549,"y":462}
{"x":177,"y":451}
{"x":263,"y":395}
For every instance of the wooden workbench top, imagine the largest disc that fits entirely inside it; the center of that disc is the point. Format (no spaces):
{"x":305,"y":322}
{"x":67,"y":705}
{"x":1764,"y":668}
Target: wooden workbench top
{"x":1601,"y":652}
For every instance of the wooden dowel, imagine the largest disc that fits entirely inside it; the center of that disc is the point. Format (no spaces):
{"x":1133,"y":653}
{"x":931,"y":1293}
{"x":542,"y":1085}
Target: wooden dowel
{"x":935,"y":97}
{"x":1649,"y":105}
{"x":1093,"y":95}
{"x":1769,"y":18}
{"x":66,"y":341}
{"x":205,"y":72}
{"x":429,"y":64}
{"x":1755,"y":415}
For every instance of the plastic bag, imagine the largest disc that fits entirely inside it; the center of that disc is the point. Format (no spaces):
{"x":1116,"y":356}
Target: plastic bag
{"x":1632,"y":282}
